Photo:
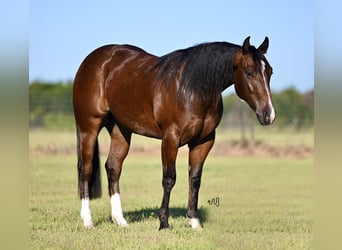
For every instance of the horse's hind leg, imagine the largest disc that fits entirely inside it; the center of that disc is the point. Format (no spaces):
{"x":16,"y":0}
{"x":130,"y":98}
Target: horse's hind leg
{"x":89,"y":182}
{"x":119,"y":146}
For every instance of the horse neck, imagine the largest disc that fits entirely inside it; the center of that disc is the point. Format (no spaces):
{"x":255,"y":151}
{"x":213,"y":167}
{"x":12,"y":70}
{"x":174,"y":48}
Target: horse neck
{"x":230,"y":80}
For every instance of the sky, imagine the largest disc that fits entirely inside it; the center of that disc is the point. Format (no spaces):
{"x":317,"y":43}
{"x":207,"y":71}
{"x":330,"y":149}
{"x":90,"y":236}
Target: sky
{"x":62,"y":33}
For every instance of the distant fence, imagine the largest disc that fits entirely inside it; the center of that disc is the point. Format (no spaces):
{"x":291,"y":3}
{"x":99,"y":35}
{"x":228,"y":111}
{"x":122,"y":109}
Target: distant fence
{"x":51,"y":107}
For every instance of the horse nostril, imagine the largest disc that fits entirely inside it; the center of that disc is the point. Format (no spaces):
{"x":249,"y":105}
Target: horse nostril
{"x":267,"y":118}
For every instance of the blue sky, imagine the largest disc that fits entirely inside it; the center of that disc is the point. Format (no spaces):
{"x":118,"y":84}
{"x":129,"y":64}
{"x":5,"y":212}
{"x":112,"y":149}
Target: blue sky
{"x":62,"y":33}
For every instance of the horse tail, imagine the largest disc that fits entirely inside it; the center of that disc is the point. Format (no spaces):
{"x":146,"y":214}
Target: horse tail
{"x":95,"y":190}
{"x":94,"y":185}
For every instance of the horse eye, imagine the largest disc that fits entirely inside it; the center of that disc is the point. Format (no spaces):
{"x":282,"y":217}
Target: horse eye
{"x":249,"y":73}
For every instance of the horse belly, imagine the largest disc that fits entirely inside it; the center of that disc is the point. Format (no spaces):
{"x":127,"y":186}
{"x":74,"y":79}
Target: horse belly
{"x":139,"y":123}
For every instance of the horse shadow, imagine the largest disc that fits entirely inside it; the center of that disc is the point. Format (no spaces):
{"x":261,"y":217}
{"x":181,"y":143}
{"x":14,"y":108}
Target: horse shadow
{"x":145,"y":214}
{"x":175,"y":212}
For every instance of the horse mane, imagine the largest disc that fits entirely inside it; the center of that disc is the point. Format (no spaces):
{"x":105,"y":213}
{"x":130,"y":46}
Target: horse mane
{"x":206,"y":69}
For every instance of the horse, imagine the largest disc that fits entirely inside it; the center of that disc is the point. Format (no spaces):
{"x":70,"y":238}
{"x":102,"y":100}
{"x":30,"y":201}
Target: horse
{"x":176,"y":98}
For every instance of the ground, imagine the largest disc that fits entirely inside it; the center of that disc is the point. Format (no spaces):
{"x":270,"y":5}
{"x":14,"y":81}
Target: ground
{"x":254,"y":195}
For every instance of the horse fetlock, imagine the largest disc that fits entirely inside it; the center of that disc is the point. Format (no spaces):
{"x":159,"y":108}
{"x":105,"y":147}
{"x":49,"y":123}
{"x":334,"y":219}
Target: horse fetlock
{"x":86,"y":217}
{"x":164,"y":225}
{"x":117,"y":215}
{"x":164,"y":218}
{"x":195,"y":224}
{"x":86,"y":213}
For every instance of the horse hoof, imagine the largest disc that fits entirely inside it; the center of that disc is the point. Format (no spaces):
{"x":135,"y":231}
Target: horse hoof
{"x":164,"y":226}
{"x":123,"y":225}
{"x":120,"y":221}
{"x":89,"y":225}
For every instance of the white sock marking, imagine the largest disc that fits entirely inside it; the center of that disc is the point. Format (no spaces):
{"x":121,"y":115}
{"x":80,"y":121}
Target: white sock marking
{"x":117,"y":215}
{"x":194,"y":223}
{"x":86,"y":213}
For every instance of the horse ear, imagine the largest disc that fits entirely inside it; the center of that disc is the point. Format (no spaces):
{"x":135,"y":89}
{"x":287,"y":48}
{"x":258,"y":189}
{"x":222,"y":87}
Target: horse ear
{"x":245,"y":46}
{"x":264,"y":46}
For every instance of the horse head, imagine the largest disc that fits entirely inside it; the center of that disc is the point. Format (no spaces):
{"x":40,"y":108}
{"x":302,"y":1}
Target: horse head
{"x":252,"y":74}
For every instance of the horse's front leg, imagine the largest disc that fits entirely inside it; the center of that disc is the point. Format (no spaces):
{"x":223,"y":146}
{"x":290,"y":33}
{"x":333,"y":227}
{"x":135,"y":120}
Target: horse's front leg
{"x":170,"y":145}
{"x":198,"y":152}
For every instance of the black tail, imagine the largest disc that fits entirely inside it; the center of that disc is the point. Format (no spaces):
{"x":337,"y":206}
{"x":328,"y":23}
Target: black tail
{"x":94,"y":185}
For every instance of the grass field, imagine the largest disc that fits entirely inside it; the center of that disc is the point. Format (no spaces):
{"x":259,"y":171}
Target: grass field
{"x":264,"y":203}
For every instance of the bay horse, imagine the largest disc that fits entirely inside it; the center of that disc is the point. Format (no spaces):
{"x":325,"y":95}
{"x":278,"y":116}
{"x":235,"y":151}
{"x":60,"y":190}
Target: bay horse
{"x":176,"y":98}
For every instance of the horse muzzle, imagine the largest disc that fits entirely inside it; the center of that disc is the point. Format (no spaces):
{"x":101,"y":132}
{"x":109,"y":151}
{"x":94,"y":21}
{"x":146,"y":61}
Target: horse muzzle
{"x":266,"y":117}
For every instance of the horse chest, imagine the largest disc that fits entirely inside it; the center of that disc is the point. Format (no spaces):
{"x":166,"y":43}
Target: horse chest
{"x":198,"y":127}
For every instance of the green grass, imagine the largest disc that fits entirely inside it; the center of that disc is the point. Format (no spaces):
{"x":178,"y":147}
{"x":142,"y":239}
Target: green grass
{"x":264,"y":204}
{"x":271,"y":135}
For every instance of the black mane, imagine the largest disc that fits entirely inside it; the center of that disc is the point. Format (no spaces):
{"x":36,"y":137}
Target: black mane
{"x":208,"y":68}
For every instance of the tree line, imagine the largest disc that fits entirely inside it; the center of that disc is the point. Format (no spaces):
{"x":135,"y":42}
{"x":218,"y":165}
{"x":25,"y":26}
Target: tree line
{"x":51,"y":107}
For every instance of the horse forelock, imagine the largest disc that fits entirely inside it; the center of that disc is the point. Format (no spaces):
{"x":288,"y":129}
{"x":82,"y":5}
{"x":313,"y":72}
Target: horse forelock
{"x":256,"y":55}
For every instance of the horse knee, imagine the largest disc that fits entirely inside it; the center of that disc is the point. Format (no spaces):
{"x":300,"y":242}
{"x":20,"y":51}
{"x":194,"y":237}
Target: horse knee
{"x":195,"y":178}
{"x":169,"y":182}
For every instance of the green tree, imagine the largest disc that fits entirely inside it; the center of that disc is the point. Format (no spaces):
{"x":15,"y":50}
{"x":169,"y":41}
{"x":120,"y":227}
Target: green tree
{"x":291,"y":109}
{"x":50,"y":104}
